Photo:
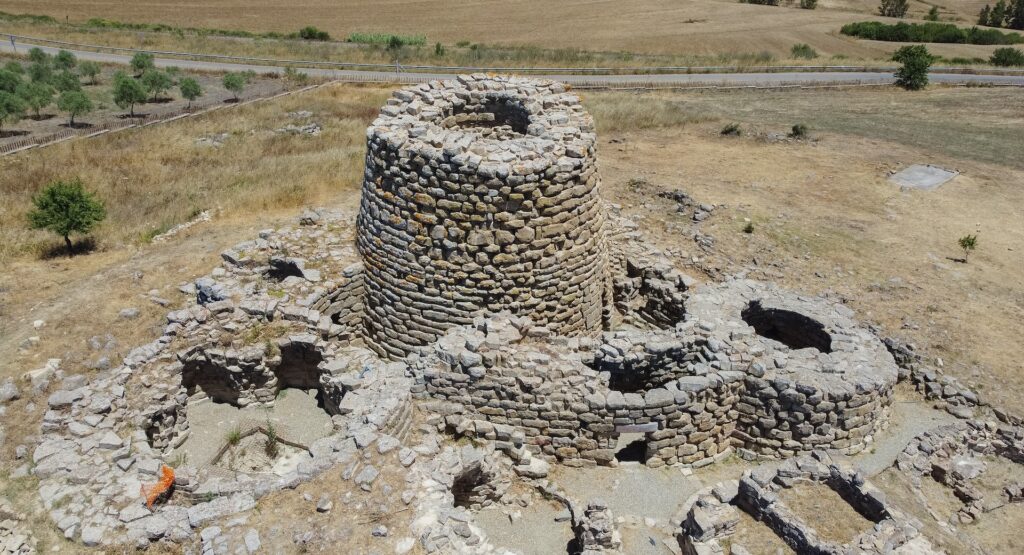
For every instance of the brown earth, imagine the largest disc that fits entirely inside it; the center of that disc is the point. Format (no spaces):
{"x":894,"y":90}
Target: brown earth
{"x":642,"y":26}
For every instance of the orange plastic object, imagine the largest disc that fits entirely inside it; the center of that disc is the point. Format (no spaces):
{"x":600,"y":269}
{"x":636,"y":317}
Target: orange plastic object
{"x":161,"y":487}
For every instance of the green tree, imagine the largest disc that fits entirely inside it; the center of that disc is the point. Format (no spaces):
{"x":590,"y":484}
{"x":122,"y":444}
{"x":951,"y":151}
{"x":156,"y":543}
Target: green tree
{"x":156,"y":82}
{"x":968,"y":243}
{"x":37,"y":56}
{"x":1006,"y":57}
{"x":142,"y":61}
{"x":998,"y":14}
{"x":40,"y":72}
{"x":64,"y":60}
{"x":65,"y":207}
{"x":190,"y":90}
{"x":128,"y":92}
{"x":1015,"y":17}
{"x":234,"y":82}
{"x":9,"y":81}
{"x":75,"y":103}
{"x":894,"y":8}
{"x":66,"y":81}
{"x":913,"y":73}
{"x":12,"y":108}
{"x":933,"y":14}
{"x":984,"y":15}
{"x":36,"y":96}
{"x":90,"y":70}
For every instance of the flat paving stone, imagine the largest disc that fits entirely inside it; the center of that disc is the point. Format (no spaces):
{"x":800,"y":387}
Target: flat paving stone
{"x":923,"y":176}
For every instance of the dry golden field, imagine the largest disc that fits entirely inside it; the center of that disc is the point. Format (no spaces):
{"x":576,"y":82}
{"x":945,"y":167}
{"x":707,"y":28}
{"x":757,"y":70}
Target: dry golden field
{"x":692,"y":27}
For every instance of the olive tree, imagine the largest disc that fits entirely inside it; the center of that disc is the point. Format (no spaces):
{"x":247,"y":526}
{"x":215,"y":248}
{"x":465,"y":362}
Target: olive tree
{"x":128,"y":92}
{"x":915,"y":62}
{"x":75,"y":103}
{"x":65,"y":207}
{"x":190,"y":90}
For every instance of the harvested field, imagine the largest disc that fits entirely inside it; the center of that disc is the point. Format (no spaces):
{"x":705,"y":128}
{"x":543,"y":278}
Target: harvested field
{"x":638,"y":26}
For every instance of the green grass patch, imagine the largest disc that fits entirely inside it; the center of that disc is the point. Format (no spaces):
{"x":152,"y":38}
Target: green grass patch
{"x":386,"y":39}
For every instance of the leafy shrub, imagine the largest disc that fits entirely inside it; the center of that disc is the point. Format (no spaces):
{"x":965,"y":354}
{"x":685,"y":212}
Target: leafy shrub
{"x":732,"y":129}
{"x":808,"y":4}
{"x":933,"y":14}
{"x":1005,"y":57}
{"x":12,"y":108}
{"x":142,"y":61}
{"x":14,"y":67}
{"x":90,"y":70}
{"x":799,"y":131}
{"x":438,"y":49}
{"x":893,"y":8}
{"x":803,"y":51}
{"x":913,"y":73}
{"x":748,"y":228}
{"x":928,"y":32}
{"x":9,"y":81}
{"x":234,"y":82}
{"x":312,"y":33}
{"x":38,"y":56}
{"x":65,"y":207}
{"x":36,"y":95}
{"x":65,"y":60}
{"x":66,"y":81}
{"x":968,"y":243}
{"x":156,"y":82}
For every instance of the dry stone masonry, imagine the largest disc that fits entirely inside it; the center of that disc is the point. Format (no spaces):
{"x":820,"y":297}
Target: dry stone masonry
{"x":487,"y":288}
{"x":481,"y":195}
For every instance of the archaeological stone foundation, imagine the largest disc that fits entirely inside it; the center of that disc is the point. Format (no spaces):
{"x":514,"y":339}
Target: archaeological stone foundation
{"x":487,"y":283}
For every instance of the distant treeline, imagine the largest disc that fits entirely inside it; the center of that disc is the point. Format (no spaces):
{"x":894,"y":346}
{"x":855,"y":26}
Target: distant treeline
{"x":928,"y":32}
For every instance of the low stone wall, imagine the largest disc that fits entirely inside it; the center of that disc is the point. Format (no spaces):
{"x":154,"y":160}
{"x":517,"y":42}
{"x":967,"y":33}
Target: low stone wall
{"x":711,"y":515}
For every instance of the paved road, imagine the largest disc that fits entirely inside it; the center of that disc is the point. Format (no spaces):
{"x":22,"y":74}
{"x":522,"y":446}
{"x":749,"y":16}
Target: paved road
{"x":624,"y":81}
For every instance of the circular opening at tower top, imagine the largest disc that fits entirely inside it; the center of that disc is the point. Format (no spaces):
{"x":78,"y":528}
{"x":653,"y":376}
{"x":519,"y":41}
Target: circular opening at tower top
{"x":493,"y":116}
{"x":792,"y":329}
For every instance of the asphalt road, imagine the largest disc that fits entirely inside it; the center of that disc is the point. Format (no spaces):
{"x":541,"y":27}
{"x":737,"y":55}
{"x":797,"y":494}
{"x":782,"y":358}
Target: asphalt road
{"x":662,"y":80}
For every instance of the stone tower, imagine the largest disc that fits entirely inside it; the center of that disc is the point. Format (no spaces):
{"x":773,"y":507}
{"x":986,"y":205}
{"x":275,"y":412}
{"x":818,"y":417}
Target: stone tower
{"x":481,"y":195}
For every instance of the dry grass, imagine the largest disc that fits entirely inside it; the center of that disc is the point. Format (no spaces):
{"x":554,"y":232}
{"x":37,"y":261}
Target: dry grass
{"x":827,"y":220}
{"x":826,"y":512}
{"x":667,"y":27}
{"x":153,"y":179}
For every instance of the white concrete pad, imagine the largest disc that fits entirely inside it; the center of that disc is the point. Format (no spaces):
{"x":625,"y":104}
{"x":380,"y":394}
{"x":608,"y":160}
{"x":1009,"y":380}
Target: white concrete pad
{"x":922,"y":176}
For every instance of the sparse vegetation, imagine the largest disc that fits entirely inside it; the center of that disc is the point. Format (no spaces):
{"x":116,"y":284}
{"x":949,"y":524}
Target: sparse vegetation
{"x":808,"y":4}
{"x":387,"y":39}
{"x":234,"y":436}
{"x":968,"y":243}
{"x":748,"y":228}
{"x":933,"y":14}
{"x":732,"y":129}
{"x":1006,"y":57}
{"x":799,"y":131}
{"x":893,"y":8}
{"x":235,"y":83}
{"x":12,"y":108}
{"x":65,"y":60}
{"x":270,"y":445}
{"x":915,"y":62}
{"x":312,"y":33}
{"x":65,"y":208}
{"x":803,"y":51}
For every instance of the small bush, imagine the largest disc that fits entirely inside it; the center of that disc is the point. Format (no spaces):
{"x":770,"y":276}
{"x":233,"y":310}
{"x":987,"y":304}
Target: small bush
{"x":190,"y":90}
{"x":235,"y":83}
{"x":438,"y":49}
{"x":762,"y":2}
{"x":90,"y":70}
{"x":462,"y":43}
{"x":12,"y":108}
{"x":968,"y":243}
{"x":65,"y":60}
{"x":748,"y":228}
{"x":915,"y":62}
{"x":808,"y":4}
{"x":142,"y":61}
{"x":1006,"y":57}
{"x":65,"y":207}
{"x":312,"y":33}
{"x":803,"y":51}
{"x":234,"y":436}
{"x":799,"y":131}
{"x":732,"y":129}
{"x":933,"y":14}
{"x":893,"y":8}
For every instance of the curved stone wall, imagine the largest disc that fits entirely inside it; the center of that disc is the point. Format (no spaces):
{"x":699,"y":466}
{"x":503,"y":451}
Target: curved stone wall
{"x":480,"y":195}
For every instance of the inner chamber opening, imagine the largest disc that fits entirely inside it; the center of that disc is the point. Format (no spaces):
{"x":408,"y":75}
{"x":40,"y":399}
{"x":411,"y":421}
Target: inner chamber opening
{"x":493,"y":117}
{"x":792,"y":329}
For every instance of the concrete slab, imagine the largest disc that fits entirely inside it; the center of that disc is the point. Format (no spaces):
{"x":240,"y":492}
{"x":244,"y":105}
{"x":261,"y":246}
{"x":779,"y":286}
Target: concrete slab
{"x":922,"y":176}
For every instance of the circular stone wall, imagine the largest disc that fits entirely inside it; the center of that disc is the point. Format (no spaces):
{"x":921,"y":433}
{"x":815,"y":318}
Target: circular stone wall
{"x":481,"y":195}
